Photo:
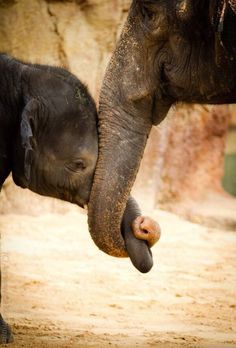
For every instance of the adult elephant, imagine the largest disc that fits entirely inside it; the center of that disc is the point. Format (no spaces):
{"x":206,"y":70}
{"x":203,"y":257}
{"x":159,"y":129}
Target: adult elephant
{"x":170,"y":51}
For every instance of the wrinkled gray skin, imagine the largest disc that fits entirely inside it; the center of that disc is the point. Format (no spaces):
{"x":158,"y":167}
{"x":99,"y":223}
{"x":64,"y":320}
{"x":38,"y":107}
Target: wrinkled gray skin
{"x":49,"y":141}
{"x":170,"y":51}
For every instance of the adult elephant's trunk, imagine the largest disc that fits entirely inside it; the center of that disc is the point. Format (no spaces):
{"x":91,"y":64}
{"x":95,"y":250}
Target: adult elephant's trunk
{"x":120,"y":151}
{"x":124,"y":126}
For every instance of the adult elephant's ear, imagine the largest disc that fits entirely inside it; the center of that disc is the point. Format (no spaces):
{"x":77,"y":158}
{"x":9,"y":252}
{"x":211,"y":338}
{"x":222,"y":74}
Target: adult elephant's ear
{"x":27,"y":130}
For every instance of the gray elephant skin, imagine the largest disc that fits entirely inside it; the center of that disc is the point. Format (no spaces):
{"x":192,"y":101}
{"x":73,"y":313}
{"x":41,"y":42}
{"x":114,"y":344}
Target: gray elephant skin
{"x":49,"y":142}
{"x":169,"y":51}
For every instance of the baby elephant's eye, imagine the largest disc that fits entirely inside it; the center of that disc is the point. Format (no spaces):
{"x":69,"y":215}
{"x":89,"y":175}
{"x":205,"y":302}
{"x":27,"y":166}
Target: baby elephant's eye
{"x":76,"y":166}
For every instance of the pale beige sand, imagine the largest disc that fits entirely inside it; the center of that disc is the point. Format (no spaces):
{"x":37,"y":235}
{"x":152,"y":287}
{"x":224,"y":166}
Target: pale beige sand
{"x":59,"y":290}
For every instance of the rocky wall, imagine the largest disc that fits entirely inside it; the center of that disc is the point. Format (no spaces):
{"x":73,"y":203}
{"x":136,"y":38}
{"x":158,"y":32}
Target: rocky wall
{"x":184,"y":156}
{"x":78,"y":35}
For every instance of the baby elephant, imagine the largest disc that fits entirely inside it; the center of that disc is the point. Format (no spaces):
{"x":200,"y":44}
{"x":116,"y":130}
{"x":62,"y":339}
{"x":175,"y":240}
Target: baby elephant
{"x":49,"y":141}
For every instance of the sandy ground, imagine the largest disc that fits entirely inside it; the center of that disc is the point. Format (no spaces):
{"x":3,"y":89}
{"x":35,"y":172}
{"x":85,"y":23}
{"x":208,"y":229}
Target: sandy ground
{"x":59,"y":290}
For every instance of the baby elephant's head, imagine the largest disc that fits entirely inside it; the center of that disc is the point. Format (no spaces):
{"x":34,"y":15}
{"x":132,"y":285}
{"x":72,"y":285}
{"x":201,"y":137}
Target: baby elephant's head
{"x":57,"y":143}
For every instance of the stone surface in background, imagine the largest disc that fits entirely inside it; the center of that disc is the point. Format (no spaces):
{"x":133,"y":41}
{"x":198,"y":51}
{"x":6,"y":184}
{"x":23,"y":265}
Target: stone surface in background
{"x":78,"y":35}
{"x":184,"y":157}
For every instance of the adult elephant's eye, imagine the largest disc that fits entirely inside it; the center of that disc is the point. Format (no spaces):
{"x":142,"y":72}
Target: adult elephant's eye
{"x":148,"y":12}
{"x":76,"y":166}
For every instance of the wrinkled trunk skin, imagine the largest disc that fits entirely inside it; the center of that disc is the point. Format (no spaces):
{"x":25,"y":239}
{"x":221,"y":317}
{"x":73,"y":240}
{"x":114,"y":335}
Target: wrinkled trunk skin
{"x":120,"y":151}
{"x":124,"y":126}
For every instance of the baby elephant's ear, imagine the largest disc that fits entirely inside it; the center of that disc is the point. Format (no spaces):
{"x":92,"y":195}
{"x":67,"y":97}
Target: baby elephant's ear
{"x":27,"y":128}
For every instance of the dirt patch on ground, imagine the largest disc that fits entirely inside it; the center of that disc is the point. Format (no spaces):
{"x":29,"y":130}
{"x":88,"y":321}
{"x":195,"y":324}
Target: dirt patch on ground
{"x":59,"y":290}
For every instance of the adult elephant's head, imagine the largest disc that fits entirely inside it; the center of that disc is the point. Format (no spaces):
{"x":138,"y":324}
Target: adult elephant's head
{"x":169,"y":51}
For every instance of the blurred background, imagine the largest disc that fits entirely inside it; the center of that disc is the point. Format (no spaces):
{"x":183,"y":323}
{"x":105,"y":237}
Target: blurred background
{"x":189,"y":169}
{"x":190,"y":157}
